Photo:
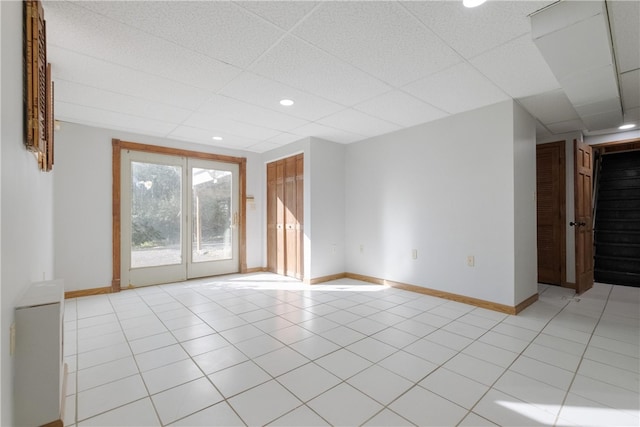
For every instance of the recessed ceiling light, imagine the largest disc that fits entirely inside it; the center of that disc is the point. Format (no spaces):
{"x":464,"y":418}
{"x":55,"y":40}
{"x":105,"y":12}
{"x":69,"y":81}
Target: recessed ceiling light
{"x":472,"y":3}
{"x":217,"y":138}
{"x":627,"y":126}
{"x":286,"y":102}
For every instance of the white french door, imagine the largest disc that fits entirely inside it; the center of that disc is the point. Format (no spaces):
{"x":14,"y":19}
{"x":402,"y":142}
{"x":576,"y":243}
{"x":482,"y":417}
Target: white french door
{"x":179,"y":218}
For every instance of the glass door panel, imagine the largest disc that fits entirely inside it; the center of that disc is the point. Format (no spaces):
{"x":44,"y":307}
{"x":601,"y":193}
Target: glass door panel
{"x":156,"y":211}
{"x":152,"y":206}
{"x":214,"y":218}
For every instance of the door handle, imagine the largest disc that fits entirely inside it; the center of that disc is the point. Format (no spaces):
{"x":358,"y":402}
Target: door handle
{"x":577,"y":224}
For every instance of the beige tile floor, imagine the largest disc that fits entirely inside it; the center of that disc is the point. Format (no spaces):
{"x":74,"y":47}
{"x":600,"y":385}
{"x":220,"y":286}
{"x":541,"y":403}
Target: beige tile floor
{"x":261,"y":349}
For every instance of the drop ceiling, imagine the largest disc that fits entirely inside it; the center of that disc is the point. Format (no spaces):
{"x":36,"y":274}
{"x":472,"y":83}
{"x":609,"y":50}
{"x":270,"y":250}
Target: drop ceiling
{"x":194,"y":70}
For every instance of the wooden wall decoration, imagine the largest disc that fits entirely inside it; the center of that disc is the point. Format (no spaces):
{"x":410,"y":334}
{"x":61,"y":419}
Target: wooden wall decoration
{"x":38,"y":86}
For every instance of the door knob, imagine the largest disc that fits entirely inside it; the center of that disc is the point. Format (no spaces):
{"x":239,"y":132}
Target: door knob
{"x":577,"y":224}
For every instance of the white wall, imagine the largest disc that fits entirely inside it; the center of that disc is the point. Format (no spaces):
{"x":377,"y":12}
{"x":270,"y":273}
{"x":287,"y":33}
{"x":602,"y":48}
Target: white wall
{"x":26,"y":253}
{"x":445,"y":188}
{"x":82,"y":207}
{"x":524,"y":162}
{"x":327,"y":208}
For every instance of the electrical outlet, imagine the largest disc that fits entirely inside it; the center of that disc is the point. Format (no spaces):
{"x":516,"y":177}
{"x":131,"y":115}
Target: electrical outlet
{"x":414,"y":254}
{"x":334,"y":249}
{"x":471,"y":261}
{"x":12,"y":339}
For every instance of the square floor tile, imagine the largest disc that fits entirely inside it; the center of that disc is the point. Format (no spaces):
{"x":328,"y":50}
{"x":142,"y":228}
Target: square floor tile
{"x":454,"y":387}
{"x":264,"y":404}
{"x":476,"y":369}
{"x":489,"y":353}
{"x":153,"y":342}
{"x":160,"y":357}
{"x":308,"y":381}
{"x":430,"y":351}
{"x":449,"y":339}
{"x":280,"y":361}
{"x":506,"y":410}
{"x":259,"y":345}
{"x":531,"y":391}
{"x":70,"y":411}
{"x":204,"y":344}
{"x":432,"y":319}
{"x":407,"y":365}
{"x":219,"y":414}
{"x":395,"y":337}
{"x":549,"y":374}
{"x":291,"y":334}
{"x":606,"y":394}
{"x":185,"y":399}
{"x":473,"y":420}
{"x":610,"y":374}
{"x":343,"y":363}
{"x":318,"y":325}
{"x":464,"y":329}
{"x":301,"y":416}
{"x":106,"y":373}
{"x":387,"y":418}
{"x":344,"y":406}
{"x":424,"y":408}
{"x":138,"y":413}
{"x":553,"y":357}
{"x":342,"y":335}
{"x":505,"y":342}
{"x":372,"y":349}
{"x":171,"y":375}
{"x":219,"y":359}
{"x":239,"y":378}
{"x":272,"y":324}
{"x":314,"y":347}
{"x":109,"y":396}
{"x":585,"y":412}
{"x":380,"y":383}
{"x":241,"y":333}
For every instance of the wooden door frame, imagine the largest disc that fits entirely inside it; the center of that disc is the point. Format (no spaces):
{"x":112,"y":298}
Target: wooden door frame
{"x":119,"y":145}
{"x":562,"y":188}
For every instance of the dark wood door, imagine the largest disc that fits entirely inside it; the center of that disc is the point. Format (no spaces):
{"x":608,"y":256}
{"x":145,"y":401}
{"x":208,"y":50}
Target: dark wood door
{"x":550,"y":190}
{"x":285,"y":229}
{"x":583,"y":222}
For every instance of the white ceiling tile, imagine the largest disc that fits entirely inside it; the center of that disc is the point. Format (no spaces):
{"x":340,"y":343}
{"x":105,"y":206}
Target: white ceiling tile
{"x":398,"y":107}
{"x":307,"y":68}
{"x":110,"y":119}
{"x":517,"y":67}
{"x":267,"y":93}
{"x":550,"y":107}
{"x":473,"y":31}
{"x":380,"y":38}
{"x":325,"y":132}
{"x":591,"y":85}
{"x":220,"y":29}
{"x":85,"y":70}
{"x":630,"y":85}
{"x":632,"y":116}
{"x":566,"y":126}
{"x":284,"y":14}
{"x":222,"y":106}
{"x":459,"y":88}
{"x":625,"y":18}
{"x":73,"y":93}
{"x":357,"y":122}
{"x":203,"y":136}
{"x":563,"y":14}
{"x":88,"y":33}
{"x":578,"y":48}
{"x":263,"y":147}
{"x":222,"y":125}
{"x":285,"y":138}
{"x":603,"y":120}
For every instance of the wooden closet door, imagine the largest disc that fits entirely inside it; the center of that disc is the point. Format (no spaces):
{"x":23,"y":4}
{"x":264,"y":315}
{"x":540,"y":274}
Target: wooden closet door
{"x":300,"y":216}
{"x":280,"y":214}
{"x":271,"y":217}
{"x":291,"y":222}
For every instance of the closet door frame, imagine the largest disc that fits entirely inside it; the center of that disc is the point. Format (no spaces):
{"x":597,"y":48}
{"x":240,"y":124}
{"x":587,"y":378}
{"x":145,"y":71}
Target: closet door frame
{"x":118,"y":146}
